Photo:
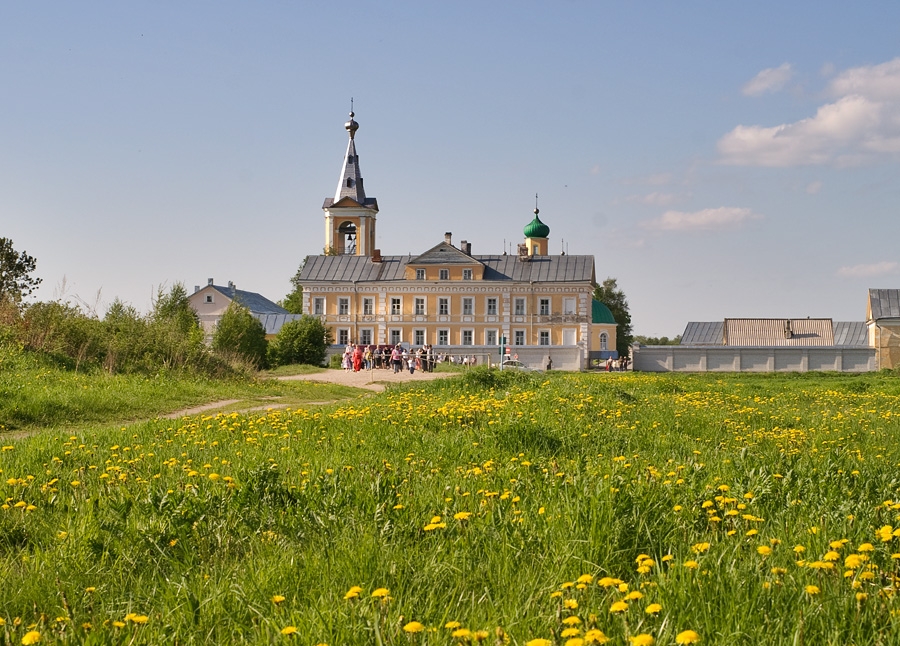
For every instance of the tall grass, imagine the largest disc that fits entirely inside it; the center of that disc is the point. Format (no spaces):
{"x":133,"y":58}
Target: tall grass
{"x":504,"y":503}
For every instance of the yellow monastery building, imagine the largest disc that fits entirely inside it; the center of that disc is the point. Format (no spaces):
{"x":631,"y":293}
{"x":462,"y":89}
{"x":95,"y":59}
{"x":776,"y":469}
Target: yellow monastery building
{"x":460,"y":303}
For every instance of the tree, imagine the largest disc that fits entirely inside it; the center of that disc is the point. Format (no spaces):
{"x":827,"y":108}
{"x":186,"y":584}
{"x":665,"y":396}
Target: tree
{"x":654,"y":340}
{"x":239,"y":332}
{"x":293,"y":302}
{"x":610,"y":295}
{"x":16,"y":280}
{"x":300,"y":341}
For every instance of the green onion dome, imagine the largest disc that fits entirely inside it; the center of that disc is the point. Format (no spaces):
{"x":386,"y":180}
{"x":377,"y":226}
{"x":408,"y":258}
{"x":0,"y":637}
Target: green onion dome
{"x":536,"y":228}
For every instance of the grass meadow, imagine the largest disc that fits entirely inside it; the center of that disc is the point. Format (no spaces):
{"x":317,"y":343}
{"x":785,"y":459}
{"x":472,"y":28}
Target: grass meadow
{"x":494,"y":508}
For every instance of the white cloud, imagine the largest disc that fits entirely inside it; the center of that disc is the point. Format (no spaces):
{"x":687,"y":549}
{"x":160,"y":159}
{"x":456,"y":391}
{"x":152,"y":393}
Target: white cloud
{"x":769,"y":80}
{"x":707,"y":219}
{"x":861,"y":124}
{"x":884,"y":268}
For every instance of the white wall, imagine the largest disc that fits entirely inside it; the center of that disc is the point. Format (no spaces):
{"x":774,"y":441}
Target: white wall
{"x":676,"y":358}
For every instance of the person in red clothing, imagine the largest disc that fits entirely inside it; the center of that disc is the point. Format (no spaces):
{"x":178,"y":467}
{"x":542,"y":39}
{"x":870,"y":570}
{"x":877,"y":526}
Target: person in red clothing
{"x":357,"y":358}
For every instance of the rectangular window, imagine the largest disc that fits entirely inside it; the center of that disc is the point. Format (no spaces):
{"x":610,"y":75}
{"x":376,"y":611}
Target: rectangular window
{"x":318,"y":306}
{"x":420,"y":307}
{"x":343,"y":336}
{"x":544,"y":337}
{"x":490,"y":337}
{"x":444,"y":306}
{"x":468,"y":337}
{"x":492,"y":307}
{"x":395,"y":336}
{"x":395,"y":307}
{"x":368,"y":306}
{"x":365,"y":336}
{"x":209,"y":298}
{"x":519,"y":307}
{"x":343,"y":306}
{"x":519,"y":337}
{"x":419,"y":337}
{"x":443,"y":337}
{"x":420,"y":274}
{"x":467,"y":274}
{"x":545,"y":307}
{"x":445,"y":274}
{"x":468,"y":306}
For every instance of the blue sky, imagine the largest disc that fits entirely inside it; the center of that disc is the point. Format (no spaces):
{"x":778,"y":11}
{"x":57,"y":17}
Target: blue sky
{"x":718,"y":160}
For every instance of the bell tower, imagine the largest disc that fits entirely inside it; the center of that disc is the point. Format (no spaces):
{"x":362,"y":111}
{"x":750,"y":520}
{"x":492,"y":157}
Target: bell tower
{"x":350,"y":215}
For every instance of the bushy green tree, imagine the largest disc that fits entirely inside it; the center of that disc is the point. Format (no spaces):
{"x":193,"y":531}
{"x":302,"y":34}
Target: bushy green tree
{"x":16,"y":268}
{"x":240,"y":333}
{"x":176,"y":337}
{"x":64,"y":331}
{"x":610,"y":295}
{"x":301,"y":341}
{"x":293,"y":302}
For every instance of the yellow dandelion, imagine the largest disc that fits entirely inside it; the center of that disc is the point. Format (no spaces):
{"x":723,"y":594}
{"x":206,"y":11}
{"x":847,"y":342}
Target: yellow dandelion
{"x":539,"y":642}
{"x":463,"y":515}
{"x":861,"y":596}
{"x":812,"y":589}
{"x":653,"y":609}
{"x":380,"y":593}
{"x":288,"y":630}
{"x":618,"y":606}
{"x":570,"y":632}
{"x":574,"y":641}
{"x":763,"y":550}
{"x":687,"y":637}
{"x":353,"y":592}
{"x":865,"y":547}
{"x":634,"y":596}
{"x":595,"y":636}
{"x":691,"y":565}
{"x":462,"y":633}
{"x":31,"y":637}
{"x":585,"y":578}
{"x":571,"y":621}
{"x":450,"y":625}
{"x":276,"y":599}
{"x":641,"y":640}
{"x":413,"y":627}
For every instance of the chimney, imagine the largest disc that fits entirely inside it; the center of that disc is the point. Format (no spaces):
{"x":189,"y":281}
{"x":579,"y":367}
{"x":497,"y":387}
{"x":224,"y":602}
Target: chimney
{"x":448,"y":237}
{"x":209,"y":281}
{"x":196,"y":288}
{"x":465,"y":247}
{"x":230,"y":285}
{"x":376,"y":255}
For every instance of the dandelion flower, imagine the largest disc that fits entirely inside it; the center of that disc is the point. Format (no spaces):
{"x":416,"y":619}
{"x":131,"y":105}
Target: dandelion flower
{"x":574,"y":641}
{"x":641,"y":640}
{"x":276,"y":599}
{"x":451,"y":625}
{"x":571,"y":620}
{"x":653,"y":608}
{"x":585,"y":578}
{"x":413,"y":627}
{"x":288,"y":630}
{"x":595,"y":636}
{"x":691,"y":565}
{"x":865,"y":547}
{"x":380,"y":593}
{"x":570,"y":632}
{"x":539,"y":642}
{"x":618,"y":606}
{"x":31,"y":637}
{"x":463,"y":515}
{"x":462,"y":633}
{"x":812,"y":589}
{"x":687,"y":637}
{"x":634,"y":596}
{"x":353,"y":592}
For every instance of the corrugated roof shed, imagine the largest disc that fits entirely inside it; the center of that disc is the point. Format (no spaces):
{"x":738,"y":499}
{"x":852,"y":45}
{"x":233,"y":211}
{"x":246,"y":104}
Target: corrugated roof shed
{"x":703,"y":333}
{"x":884,"y":303}
{"x":778,"y":332}
{"x":361,"y":269}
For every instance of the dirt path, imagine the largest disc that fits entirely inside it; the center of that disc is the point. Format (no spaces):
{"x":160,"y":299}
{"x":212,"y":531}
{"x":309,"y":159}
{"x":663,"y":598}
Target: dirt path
{"x":370,"y":380}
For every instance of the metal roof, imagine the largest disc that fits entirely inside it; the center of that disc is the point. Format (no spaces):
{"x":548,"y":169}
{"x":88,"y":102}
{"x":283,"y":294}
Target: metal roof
{"x":703,"y":333}
{"x":851,"y":333}
{"x":361,"y":269}
{"x":256,"y":303}
{"x":778,"y":332}
{"x":600,"y":313}
{"x":273,"y":322}
{"x":884,"y":303}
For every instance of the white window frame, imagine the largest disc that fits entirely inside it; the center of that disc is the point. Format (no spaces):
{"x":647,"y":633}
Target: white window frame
{"x":444,"y":274}
{"x":544,"y":307}
{"x":604,"y":341}
{"x":519,"y":307}
{"x":519,"y":337}
{"x":544,"y":337}
{"x":467,"y":274}
{"x":343,"y":306}
{"x":467,"y":336}
{"x":368,"y":306}
{"x":468,"y":306}
{"x":419,"y":306}
{"x":395,"y":334}
{"x":396,"y":306}
{"x":443,"y":306}
{"x":210,"y":299}
{"x":319,"y":306}
{"x":491,"y":304}
{"x":420,"y":274}
{"x":443,"y":336}
{"x":419,"y":336}
{"x":343,"y":336}
{"x":492,"y":341}
{"x":366,"y":335}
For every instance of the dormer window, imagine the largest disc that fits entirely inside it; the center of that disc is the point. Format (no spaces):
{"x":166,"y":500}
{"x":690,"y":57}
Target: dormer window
{"x":349,"y":182}
{"x":209,"y":298}
{"x":445,"y":274}
{"x":467,"y":274}
{"x":420,"y":274}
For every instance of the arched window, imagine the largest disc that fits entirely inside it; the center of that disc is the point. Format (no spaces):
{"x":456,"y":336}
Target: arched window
{"x":604,"y":340}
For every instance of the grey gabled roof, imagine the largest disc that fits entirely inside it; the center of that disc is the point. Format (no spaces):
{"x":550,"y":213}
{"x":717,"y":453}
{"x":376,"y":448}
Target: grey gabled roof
{"x":703,"y":333}
{"x":443,"y":254}
{"x":360,"y":269}
{"x":851,"y":333}
{"x":884,"y":303}
{"x":256,"y":303}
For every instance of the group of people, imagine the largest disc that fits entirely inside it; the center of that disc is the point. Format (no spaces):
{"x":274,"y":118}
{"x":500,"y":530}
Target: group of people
{"x":617,"y":365}
{"x":372,"y":357}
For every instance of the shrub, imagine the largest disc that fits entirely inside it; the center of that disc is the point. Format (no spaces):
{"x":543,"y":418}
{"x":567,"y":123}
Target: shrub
{"x":240,"y":333}
{"x":300,"y":341}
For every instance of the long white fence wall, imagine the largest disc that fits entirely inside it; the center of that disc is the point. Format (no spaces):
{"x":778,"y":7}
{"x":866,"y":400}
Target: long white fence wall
{"x":677,"y":358}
